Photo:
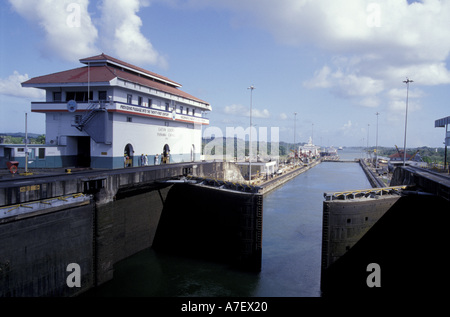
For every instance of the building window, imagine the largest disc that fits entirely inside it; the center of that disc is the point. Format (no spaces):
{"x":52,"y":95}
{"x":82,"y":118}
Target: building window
{"x":129,"y":119}
{"x":80,"y":96}
{"x":187,"y":111}
{"x":149,"y":102}
{"x":41,"y":153}
{"x":129,"y":98}
{"x":181,"y":109}
{"x":167,"y":106}
{"x":139,"y":100}
{"x":193,"y":112}
{"x":57,"y":96}
{"x":77,"y":119}
{"x":102,"y":95}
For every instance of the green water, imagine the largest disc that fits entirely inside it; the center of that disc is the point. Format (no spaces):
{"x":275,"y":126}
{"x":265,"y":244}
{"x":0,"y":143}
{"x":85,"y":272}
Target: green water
{"x":292,"y":233}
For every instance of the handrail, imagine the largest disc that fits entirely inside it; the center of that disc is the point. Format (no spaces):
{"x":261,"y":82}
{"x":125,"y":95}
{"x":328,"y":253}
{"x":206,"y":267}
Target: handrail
{"x":47,"y":201}
{"x":364,"y":192}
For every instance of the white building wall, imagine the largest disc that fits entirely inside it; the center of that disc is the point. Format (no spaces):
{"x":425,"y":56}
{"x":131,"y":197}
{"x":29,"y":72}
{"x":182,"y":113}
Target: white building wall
{"x":59,"y":131}
{"x":148,"y":136}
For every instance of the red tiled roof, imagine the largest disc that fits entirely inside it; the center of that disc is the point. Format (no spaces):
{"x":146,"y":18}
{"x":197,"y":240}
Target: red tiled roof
{"x":105,"y":74}
{"x":154,"y":84}
{"x":104,"y":57}
{"x":76,"y":75}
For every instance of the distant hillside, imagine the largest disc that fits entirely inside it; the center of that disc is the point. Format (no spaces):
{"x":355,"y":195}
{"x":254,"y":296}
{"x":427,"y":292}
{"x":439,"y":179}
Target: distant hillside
{"x":20,"y":135}
{"x":283,"y":147}
{"x":18,"y":138}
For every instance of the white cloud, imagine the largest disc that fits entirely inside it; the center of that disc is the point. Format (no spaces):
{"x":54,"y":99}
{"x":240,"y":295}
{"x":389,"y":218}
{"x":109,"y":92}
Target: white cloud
{"x":411,"y":41}
{"x":235,"y":109}
{"x":67,"y":26}
{"x":71,"y":34}
{"x":121,"y":33}
{"x":375,"y":44}
{"x":396,"y":93}
{"x":347,"y":125}
{"x":240,"y":110}
{"x":260,"y":113}
{"x":11,"y":86}
{"x":283,"y":116}
{"x":363,"y":89}
{"x":396,"y":108}
{"x":320,"y":79}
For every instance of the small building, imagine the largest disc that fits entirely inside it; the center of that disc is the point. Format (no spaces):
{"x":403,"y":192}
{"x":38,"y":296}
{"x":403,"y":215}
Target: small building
{"x":39,"y":155}
{"x":111,"y":114}
{"x":259,"y":169}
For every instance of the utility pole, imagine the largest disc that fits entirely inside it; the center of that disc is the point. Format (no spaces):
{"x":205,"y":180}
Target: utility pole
{"x":26,"y":143}
{"x":376,"y":146}
{"x":407,"y":81}
{"x":250,"y":143}
{"x":368,"y":151}
{"x":295,"y":147}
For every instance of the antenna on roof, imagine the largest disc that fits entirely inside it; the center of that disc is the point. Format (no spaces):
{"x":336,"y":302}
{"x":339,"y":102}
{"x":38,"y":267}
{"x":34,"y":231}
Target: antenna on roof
{"x":88,"y":80}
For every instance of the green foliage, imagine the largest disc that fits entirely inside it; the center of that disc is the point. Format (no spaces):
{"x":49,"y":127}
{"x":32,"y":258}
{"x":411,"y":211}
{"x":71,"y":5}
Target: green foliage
{"x":284,"y":148}
{"x":19,"y":138}
{"x":429,"y":155}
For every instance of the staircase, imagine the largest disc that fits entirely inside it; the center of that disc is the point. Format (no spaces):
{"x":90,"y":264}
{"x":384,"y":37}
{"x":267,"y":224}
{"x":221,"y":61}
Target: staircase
{"x":91,"y":111}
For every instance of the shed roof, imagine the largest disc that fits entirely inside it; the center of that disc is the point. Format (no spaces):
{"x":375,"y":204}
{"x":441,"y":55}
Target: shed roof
{"x":440,"y":123}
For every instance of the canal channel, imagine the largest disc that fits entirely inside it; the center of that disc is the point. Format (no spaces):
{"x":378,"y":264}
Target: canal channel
{"x":291,"y":259}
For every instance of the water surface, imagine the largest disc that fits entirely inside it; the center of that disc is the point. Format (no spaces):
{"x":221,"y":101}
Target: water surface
{"x":292,"y":239}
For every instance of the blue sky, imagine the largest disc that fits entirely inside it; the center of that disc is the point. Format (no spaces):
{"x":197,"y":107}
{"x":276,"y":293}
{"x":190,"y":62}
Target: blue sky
{"x":335,"y":63}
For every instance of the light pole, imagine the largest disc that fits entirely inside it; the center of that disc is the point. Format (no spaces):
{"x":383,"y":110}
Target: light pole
{"x":407,"y":81}
{"x":368,"y":152}
{"x":376,"y":146}
{"x":26,"y":143}
{"x":250,"y":142}
{"x":295,"y":124}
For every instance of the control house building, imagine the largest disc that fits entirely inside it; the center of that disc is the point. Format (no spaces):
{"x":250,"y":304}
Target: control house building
{"x":111,"y":114}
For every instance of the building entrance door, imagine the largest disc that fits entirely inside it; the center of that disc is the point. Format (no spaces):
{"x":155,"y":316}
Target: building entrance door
{"x":83,"y":151}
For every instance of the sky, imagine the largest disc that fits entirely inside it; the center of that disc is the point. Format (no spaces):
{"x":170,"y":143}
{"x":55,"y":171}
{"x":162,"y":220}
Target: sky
{"x":320,"y":68}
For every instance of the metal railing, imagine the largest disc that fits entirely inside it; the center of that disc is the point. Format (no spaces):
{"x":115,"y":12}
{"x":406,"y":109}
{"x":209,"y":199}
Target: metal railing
{"x":360,"y":193}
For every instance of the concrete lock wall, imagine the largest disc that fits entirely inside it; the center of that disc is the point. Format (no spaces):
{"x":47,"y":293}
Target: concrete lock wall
{"x":126,"y":226}
{"x":409,"y":243}
{"x":214,"y":224}
{"x":125,"y":213}
{"x":184,"y":219}
{"x":35,"y":253}
{"x":346,"y":221}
